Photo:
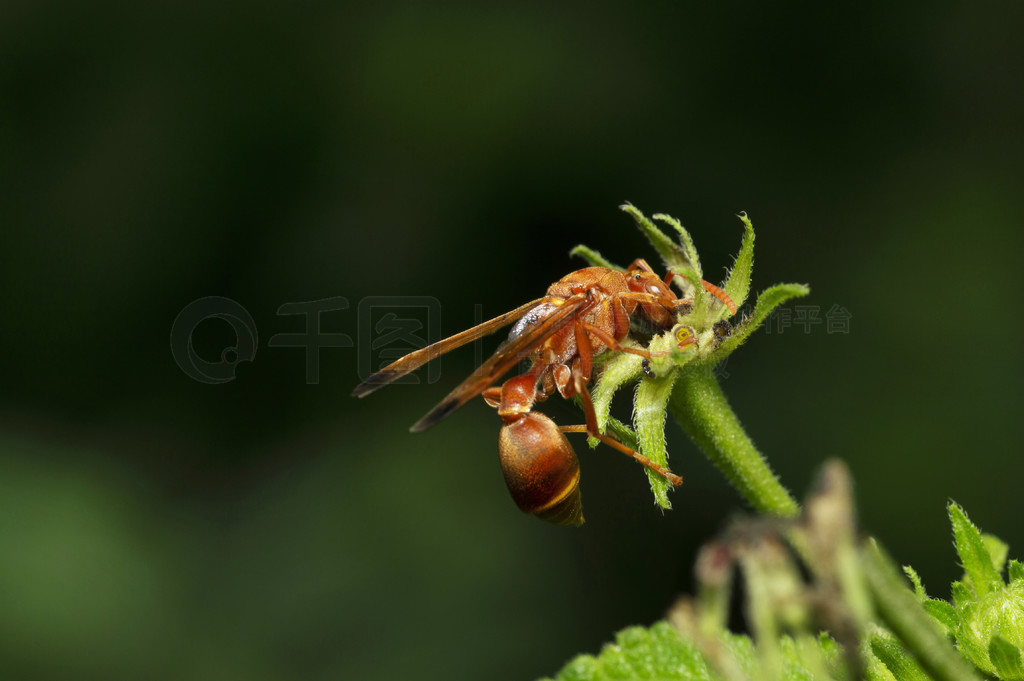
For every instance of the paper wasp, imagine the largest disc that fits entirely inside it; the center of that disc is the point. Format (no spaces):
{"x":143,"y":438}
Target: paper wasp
{"x":582,"y":314}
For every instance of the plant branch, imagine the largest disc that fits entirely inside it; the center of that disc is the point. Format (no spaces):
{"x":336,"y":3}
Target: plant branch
{"x":702,"y":409}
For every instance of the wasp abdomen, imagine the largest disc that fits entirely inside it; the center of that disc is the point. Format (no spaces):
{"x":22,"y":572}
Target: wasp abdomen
{"x":541,"y":470}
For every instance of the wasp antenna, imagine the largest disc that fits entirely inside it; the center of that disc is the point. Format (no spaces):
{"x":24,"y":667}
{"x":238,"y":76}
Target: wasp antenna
{"x":721,"y":295}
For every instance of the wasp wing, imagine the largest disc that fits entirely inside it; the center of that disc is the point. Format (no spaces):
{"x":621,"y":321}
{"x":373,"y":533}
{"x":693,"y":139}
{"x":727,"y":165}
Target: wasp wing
{"x":506,"y":357}
{"x":415,"y":360}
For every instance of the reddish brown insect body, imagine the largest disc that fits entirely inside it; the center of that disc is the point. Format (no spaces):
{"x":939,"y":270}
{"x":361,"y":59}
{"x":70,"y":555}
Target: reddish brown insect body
{"x":584,"y":313}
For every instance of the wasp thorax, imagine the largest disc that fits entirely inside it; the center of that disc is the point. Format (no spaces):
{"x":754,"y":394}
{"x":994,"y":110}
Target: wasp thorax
{"x":541,"y":469}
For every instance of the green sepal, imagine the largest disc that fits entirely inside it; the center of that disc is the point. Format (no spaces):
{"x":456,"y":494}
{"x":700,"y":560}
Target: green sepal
{"x":919,"y":591}
{"x":769,"y":299}
{"x":671,"y":253}
{"x":737,"y":282}
{"x":1005,"y":658}
{"x":973,"y":653}
{"x":979,"y":570}
{"x":623,"y":433}
{"x":649,"y":419}
{"x":686,"y":241}
{"x":615,"y":370}
{"x":594,"y":258}
{"x":998,"y":549}
{"x":961,"y":594}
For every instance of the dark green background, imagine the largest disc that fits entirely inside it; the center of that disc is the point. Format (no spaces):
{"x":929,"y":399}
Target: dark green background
{"x":155,"y":527}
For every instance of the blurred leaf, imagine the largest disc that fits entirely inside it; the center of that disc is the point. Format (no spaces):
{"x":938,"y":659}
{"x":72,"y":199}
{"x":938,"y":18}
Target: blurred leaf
{"x":998,"y":549}
{"x":662,"y":653}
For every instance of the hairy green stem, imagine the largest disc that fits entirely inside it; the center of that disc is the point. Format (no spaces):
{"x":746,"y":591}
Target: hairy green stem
{"x":701,"y":407}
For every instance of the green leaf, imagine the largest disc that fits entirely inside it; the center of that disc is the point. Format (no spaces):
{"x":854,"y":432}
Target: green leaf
{"x":895,"y":657}
{"x":979,"y":569}
{"x":593,"y":257}
{"x":942,"y":612}
{"x":916,"y":581}
{"x":663,"y":653}
{"x":737,"y":282}
{"x":769,"y":299}
{"x":649,"y":419}
{"x":638,"y":653}
{"x":1015,"y":571}
{"x":1005,"y":658}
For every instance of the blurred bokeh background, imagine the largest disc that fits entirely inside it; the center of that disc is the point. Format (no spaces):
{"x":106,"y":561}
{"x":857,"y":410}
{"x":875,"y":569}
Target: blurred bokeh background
{"x":271,"y":527}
